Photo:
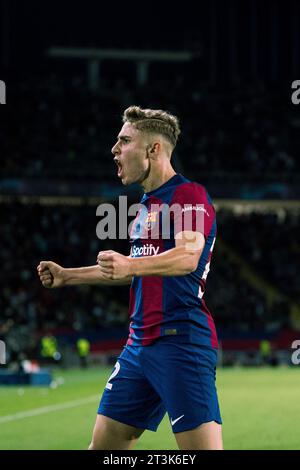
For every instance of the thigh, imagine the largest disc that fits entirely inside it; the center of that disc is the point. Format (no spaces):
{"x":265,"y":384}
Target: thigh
{"x":184,"y":376}
{"x":109,"y":434}
{"x":128,"y":397}
{"x":207,"y":436}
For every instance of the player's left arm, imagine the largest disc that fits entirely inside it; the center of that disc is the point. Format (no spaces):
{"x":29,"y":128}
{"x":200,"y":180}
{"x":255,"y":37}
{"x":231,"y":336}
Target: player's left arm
{"x":178,"y":261}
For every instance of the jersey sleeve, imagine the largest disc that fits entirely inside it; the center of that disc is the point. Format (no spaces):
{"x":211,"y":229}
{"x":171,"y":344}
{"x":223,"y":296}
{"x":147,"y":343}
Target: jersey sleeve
{"x":192,"y":209}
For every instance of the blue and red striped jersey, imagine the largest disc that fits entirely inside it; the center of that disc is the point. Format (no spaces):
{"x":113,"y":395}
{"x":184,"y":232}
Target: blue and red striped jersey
{"x":172,"y":305}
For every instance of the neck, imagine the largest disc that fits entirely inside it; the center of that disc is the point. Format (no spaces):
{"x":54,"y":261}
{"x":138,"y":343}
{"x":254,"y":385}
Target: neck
{"x":157,"y":177}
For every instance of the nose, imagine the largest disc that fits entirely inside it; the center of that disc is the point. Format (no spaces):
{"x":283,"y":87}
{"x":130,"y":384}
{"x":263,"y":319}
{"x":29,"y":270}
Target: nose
{"x":115,"y":149}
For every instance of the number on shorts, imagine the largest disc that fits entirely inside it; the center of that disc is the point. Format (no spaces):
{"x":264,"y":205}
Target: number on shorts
{"x":115,"y":372}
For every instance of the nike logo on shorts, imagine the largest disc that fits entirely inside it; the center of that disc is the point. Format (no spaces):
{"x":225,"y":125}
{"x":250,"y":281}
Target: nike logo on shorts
{"x":174,"y":421}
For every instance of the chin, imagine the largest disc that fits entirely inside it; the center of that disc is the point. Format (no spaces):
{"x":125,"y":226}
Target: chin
{"x":126,"y":181}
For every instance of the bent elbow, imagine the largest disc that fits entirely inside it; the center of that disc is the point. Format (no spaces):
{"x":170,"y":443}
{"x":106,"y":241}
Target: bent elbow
{"x":189,"y":268}
{"x":193,"y":268}
{"x":193,"y":264}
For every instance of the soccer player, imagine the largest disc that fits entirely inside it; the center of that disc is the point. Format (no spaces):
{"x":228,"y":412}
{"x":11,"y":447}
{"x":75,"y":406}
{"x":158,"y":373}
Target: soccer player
{"x":169,"y":361}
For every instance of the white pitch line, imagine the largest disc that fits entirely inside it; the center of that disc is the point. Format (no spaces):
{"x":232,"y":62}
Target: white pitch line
{"x":48,"y":409}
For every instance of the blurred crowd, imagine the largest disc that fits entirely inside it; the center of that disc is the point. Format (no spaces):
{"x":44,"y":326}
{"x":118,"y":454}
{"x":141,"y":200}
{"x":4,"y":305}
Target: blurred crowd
{"x":269,"y":242}
{"x":262,"y":245}
{"x":67,"y":235}
{"x":239,"y":130}
{"x":57,"y":128}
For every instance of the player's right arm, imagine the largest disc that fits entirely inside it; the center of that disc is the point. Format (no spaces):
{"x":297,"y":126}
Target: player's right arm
{"x":53,"y":275}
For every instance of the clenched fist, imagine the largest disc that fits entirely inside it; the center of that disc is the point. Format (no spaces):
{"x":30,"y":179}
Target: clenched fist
{"x":113,"y":265}
{"x":51,"y":274}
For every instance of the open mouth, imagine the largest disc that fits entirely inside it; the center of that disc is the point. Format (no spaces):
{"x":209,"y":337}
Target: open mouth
{"x":120,"y":169}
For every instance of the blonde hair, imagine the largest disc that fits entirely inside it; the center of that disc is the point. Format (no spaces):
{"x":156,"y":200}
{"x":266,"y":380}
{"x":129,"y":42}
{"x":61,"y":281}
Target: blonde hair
{"x":153,"y":120}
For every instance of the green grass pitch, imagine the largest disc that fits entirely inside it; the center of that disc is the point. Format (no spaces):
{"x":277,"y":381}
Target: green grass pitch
{"x":260,"y":410}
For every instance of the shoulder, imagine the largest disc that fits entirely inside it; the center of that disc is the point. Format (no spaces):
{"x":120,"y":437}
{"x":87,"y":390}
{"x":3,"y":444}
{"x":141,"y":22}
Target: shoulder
{"x":191,"y":191}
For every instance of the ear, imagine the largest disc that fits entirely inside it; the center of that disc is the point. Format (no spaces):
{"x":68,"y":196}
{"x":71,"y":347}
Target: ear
{"x":153,"y":149}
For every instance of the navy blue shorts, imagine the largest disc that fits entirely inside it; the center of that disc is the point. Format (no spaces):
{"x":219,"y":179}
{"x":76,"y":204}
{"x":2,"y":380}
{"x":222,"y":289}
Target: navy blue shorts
{"x":148,"y":381}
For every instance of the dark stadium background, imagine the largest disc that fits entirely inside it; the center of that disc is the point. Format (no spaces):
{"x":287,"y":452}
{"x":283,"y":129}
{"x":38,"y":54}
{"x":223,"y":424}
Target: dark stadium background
{"x":240,"y":139}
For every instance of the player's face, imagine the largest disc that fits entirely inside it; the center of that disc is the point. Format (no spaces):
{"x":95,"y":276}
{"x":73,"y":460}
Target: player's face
{"x":131,"y":155}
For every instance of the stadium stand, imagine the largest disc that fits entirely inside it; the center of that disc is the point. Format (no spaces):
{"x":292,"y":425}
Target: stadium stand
{"x":240,"y":138}
{"x":247,"y":260}
{"x":62,"y":130}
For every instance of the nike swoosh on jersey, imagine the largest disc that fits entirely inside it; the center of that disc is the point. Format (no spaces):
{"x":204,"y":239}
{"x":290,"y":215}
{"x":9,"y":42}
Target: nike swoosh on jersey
{"x":174,"y":421}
